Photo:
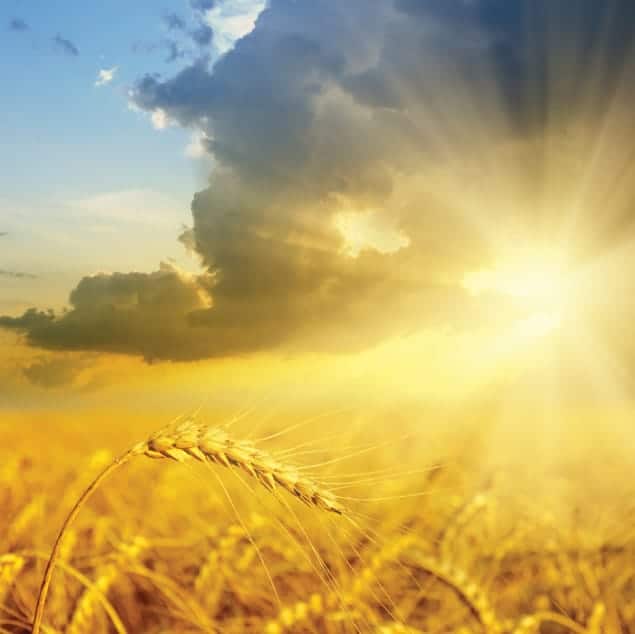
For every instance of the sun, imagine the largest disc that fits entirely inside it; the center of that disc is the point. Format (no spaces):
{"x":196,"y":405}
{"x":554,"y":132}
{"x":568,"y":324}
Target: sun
{"x":536,"y":282}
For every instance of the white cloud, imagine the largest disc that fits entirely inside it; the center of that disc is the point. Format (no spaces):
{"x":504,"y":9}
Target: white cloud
{"x":195,"y":149}
{"x":105,"y":76}
{"x":160,"y":119}
{"x":232,"y":19}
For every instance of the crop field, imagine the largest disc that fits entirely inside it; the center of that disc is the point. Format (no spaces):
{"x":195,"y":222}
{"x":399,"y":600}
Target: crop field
{"x":244,"y":526}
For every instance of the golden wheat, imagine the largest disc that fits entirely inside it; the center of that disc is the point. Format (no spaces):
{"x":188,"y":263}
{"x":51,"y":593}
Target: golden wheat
{"x":596,"y":620}
{"x":10,"y":567}
{"x":204,"y":443}
{"x":397,"y":628}
{"x":191,"y":439}
{"x":461,"y":520}
{"x":380,"y":572}
{"x":87,"y":606}
{"x":59,"y":597}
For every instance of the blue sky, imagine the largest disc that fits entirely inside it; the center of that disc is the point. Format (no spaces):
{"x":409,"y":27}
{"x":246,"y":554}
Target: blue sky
{"x":67,"y":141}
{"x":62,"y":131}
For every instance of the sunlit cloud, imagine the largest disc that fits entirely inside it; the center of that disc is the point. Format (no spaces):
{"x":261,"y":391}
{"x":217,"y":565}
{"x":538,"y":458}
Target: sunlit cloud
{"x":363,"y":230}
{"x":160,"y":119}
{"x":196,"y":148}
{"x":231,"y":20}
{"x":105,"y":76}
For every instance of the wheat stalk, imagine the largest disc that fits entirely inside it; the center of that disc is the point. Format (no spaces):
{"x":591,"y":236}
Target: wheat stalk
{"x":86,"y":607}
{"x":60,"y":594}
{"x":459,"y":522}
{"x":531,"y":622}
{"x":191,"y":439}
{"x":396,"y":628}
{"x":468,"y":592}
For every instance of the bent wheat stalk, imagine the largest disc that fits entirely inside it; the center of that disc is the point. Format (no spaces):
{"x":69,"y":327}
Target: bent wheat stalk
{"x":191,"y":439}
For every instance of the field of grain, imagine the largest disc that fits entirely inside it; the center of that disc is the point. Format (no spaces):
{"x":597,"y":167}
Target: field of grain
{"x":392,"y":537}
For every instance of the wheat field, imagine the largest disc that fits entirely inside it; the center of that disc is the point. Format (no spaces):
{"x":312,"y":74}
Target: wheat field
{"x":237,"y":527}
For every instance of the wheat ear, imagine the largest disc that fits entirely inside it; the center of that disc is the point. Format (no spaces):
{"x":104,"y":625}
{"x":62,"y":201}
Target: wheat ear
{"x":213,"y":444}
{"x":190,"y":439}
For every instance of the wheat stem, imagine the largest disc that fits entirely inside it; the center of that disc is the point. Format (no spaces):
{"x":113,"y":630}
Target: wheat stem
{"x":48,"y":572}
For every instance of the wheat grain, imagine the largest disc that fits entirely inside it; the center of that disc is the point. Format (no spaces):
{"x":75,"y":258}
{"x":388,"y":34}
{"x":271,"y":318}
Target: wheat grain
{"x":213,"y":444}
{"x":205,"y":443}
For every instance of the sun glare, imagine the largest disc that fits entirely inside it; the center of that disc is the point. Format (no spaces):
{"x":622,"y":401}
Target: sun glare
{"x":535,"y":282}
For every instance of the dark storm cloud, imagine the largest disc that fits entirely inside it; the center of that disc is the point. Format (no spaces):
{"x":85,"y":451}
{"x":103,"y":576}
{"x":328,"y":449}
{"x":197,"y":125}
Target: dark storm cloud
{"x":18,"y":24}
{"x":411,"y":109}
{"x":31,"y":320}
{"x":66,"y":46}
{"x":137,"y":313}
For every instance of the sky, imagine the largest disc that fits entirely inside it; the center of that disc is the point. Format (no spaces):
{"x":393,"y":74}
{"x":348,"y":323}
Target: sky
{"x":212,"y":196}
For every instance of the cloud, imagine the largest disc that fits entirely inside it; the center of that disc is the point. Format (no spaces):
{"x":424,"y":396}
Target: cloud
{"x":160,"y":119}
{"x":52,"y":372}
{"x":197,"y":147}
{"x":202,"y":35}
{"x":116,"y":313}
{"x":105,"y":76}
{"x":66,"y":46}
{"x":17,"y":274}
{"x":231,"y":20}
{"x":174,"y":22}
{"x":18,"y":24}
{"x":172,"y":315}
{"x":31,"y":319}
{"x":366,"y":157}
{"x":174,"y":51}
{"x":203,"y":5}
